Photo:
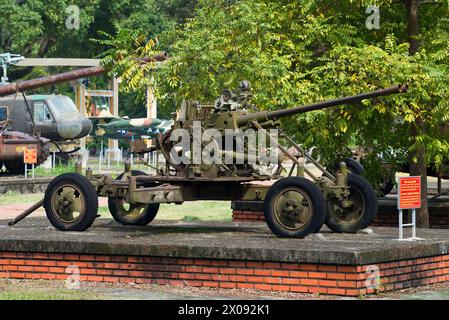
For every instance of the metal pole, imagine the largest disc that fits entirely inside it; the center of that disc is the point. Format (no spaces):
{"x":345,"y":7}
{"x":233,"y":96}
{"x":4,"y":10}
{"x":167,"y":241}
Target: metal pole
{"x":54,"y":160}
{"x":414,"y":223}
{"x":101,"y":155}
{"x":26,"y":173}
{"x":32,"y":170}
{"x":401,"y":228}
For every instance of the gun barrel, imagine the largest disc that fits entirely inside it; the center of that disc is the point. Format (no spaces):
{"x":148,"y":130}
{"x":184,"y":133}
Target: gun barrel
{"x":270,"y":115}
{"x":65,"y":77}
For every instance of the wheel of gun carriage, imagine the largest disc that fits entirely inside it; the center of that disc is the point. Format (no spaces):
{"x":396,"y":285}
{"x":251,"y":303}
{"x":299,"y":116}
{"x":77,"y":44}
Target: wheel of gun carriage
{"x":360,"y":210}
{"x":132,"y":214}
{"x":71,"y":202}
{"x":294,"y":207}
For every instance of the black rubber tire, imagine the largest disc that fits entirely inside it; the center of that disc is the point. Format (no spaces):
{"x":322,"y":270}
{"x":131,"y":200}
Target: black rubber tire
{"x":146,"y":218}
{"x":369,"y":196}
{"x":316,"y":197}
{"x":15,"y":167}
{"x":354,"y":166}
{"x":91,"y":202}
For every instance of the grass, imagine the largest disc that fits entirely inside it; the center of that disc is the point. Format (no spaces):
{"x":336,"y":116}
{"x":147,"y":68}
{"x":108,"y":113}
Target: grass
{"x":58,"y":295}
{"x":189,"y":211}
{"x":11,"y":198}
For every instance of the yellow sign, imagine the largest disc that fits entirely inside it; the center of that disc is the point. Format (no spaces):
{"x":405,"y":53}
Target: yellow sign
{"x":30,"y":156}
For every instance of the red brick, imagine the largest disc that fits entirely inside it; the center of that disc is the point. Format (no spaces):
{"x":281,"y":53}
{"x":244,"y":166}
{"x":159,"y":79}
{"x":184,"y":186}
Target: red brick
{"x":263,"y":286}
{"x":56,"y":270}
{"x":219,"y":263}
{"x":327,"y":268}
{"x":346,"y":269}
{"x":353,"y":292}
{"x":253,"y":264}
{"x":261,"y":272}
{"x":272,"y":280}
{"x":40,"y":255}
{"x":308,"y":267}
{"x":201,"y":262}
{"x":300,"y":289}
{"x":185,"y":261}
{"x":228,"y":285}
{"x":95,"y":278}
{"x":111,"y":279}
{"x":280,"y":273}
{"x":281,"y":288}
{"x":194,"y":269}
{"x":272,"y":265}
{"x":40,"y":269}
{"x":254,"y":279}
{"x":227,"y":270}
{"x":210,"y":270}
{"x":211,"y":284}
{"x":291,"y":281}
{"x":290,"y":266}
{"x":327,"y":283}
{"x":236,"y":264}
{"x":298,"y":274}
{"x":237,"y":278}
{"x":309,"y":282}
{"x":200,"y":276}
{"x":25,"y":268}
{"x":337,"y":276}
{"x":220,"y":277}
{"x":317,"y":290}
{"x":102,"y":258}
{"x":317,"y":275}
{"x":347,"y":284}
{"x":121,"y":273}
{"x":336,"y":291}
{"x":245,"y":285}
{"x":86,"y":257}
{"x":245,"y":271}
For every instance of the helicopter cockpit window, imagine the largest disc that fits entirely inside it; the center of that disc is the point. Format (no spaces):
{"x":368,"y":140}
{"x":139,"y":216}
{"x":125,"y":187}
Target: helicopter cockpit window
{"x":41,"y":113}
{"x":3,"y":113}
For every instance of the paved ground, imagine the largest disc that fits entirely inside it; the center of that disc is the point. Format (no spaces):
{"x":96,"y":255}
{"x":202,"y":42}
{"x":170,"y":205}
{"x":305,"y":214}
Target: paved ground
{"x":221,"y":240}
{"x":12,"y":210}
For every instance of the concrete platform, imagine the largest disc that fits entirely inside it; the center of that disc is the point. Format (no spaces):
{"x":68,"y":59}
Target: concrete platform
{"x":22,"y":185}
{"x":227,"y":255}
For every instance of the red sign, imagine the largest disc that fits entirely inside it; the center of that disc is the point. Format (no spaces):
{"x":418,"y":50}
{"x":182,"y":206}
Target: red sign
{"x":30,"y":156}
{"x":409,"y":193}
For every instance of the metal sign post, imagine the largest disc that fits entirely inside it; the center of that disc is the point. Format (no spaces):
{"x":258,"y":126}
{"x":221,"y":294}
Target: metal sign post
{"x":29,"y":157}
{"x":409,"y":198}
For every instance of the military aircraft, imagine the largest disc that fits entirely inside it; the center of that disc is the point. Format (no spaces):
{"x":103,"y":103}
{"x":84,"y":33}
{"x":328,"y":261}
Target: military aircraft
{"x":55,"y":117}
{"x":117,"y":128}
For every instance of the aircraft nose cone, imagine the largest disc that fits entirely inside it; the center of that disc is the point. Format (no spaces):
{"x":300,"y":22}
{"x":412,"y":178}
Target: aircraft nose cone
{"x":73,"y":126}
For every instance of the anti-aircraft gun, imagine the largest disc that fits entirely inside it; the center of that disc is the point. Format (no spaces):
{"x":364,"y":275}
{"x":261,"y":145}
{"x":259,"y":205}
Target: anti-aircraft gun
{"x":213,"y":152}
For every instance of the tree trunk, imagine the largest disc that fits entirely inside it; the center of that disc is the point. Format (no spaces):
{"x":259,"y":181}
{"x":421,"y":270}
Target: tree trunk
{"x":420,"y":167}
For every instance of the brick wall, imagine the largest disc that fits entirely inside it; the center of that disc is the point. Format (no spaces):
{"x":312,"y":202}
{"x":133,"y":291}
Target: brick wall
{"x":392,"y":220}
{"x":389,"y":219}
{"x":247,"y":216}
{"x":269,"y":276}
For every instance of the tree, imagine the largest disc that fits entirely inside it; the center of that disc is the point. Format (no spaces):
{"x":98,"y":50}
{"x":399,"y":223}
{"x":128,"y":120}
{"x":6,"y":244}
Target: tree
{"x":306,"y":51}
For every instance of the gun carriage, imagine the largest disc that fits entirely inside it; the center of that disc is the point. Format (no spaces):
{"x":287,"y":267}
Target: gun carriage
{"x":295,"y":205}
